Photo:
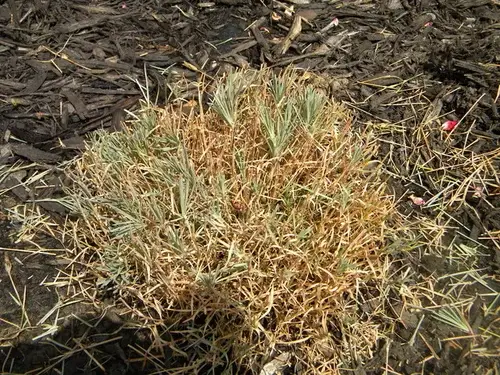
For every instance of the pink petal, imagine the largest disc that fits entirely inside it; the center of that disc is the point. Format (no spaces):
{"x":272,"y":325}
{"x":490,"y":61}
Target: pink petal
{"x":428,"y":24}
{"x":417,"y":200}
{"x":335,"y":21}
{"x":124,"y":5}
{"x":449,"y":125}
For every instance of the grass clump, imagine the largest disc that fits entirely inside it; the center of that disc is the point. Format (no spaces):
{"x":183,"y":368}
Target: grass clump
{"x":243,"y":231}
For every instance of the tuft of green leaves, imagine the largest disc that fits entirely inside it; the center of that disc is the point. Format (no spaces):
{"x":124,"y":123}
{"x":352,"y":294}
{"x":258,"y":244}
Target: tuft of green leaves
{"x":311,"y":104}
{"x":278,"y":127}
{"x":453,"y":317}
{"x":226,"y":98}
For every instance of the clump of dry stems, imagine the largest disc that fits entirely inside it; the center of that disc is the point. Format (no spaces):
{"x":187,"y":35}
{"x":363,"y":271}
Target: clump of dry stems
{"x":248,"y":229}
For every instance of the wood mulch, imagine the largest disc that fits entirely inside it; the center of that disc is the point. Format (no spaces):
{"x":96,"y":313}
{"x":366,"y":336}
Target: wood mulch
{"x":68,"y":68}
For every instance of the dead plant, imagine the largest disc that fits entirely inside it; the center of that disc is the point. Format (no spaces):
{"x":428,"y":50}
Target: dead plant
{"x":243,"y":231}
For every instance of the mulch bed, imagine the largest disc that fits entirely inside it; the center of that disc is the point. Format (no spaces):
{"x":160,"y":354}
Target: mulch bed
{"x":68,"y":68}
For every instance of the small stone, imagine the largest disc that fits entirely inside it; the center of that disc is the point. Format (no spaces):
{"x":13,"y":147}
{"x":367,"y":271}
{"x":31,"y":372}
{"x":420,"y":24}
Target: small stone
{"x":308,"y":14}
{"x":394,"y":5}
{"x":99,"y":53}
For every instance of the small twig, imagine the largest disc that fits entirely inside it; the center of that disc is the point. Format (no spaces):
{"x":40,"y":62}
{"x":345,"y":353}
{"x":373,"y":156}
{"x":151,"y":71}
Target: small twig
{"x":466,"y":114}
{"x":13,"y":12}
{"x":412,"y":339}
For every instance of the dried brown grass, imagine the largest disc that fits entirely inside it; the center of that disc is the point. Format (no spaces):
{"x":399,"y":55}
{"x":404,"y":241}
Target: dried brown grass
{"x":243,"y":231}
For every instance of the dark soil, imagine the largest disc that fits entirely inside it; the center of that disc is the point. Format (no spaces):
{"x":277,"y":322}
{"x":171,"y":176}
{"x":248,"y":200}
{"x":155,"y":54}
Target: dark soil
{"x":29,"y":273}
{"x":88,"y":344}
{"x":68,"y":68}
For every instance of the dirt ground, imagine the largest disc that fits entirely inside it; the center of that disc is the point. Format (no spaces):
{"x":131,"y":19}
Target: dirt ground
{"x":68,"y":68}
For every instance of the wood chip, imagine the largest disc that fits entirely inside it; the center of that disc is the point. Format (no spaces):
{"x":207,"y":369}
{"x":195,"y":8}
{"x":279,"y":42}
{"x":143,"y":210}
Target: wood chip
{"x":34,"y":154}
{"x":293,"y":33}
{"x":77,"y":102}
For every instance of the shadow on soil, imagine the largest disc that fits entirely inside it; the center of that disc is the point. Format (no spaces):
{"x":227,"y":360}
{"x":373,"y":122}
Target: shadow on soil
{"x":86,"y":342}
{"x":85,"y":345}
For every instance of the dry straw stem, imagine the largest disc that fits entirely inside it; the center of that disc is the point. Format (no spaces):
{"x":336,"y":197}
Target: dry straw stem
{"x":248,"y":228}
